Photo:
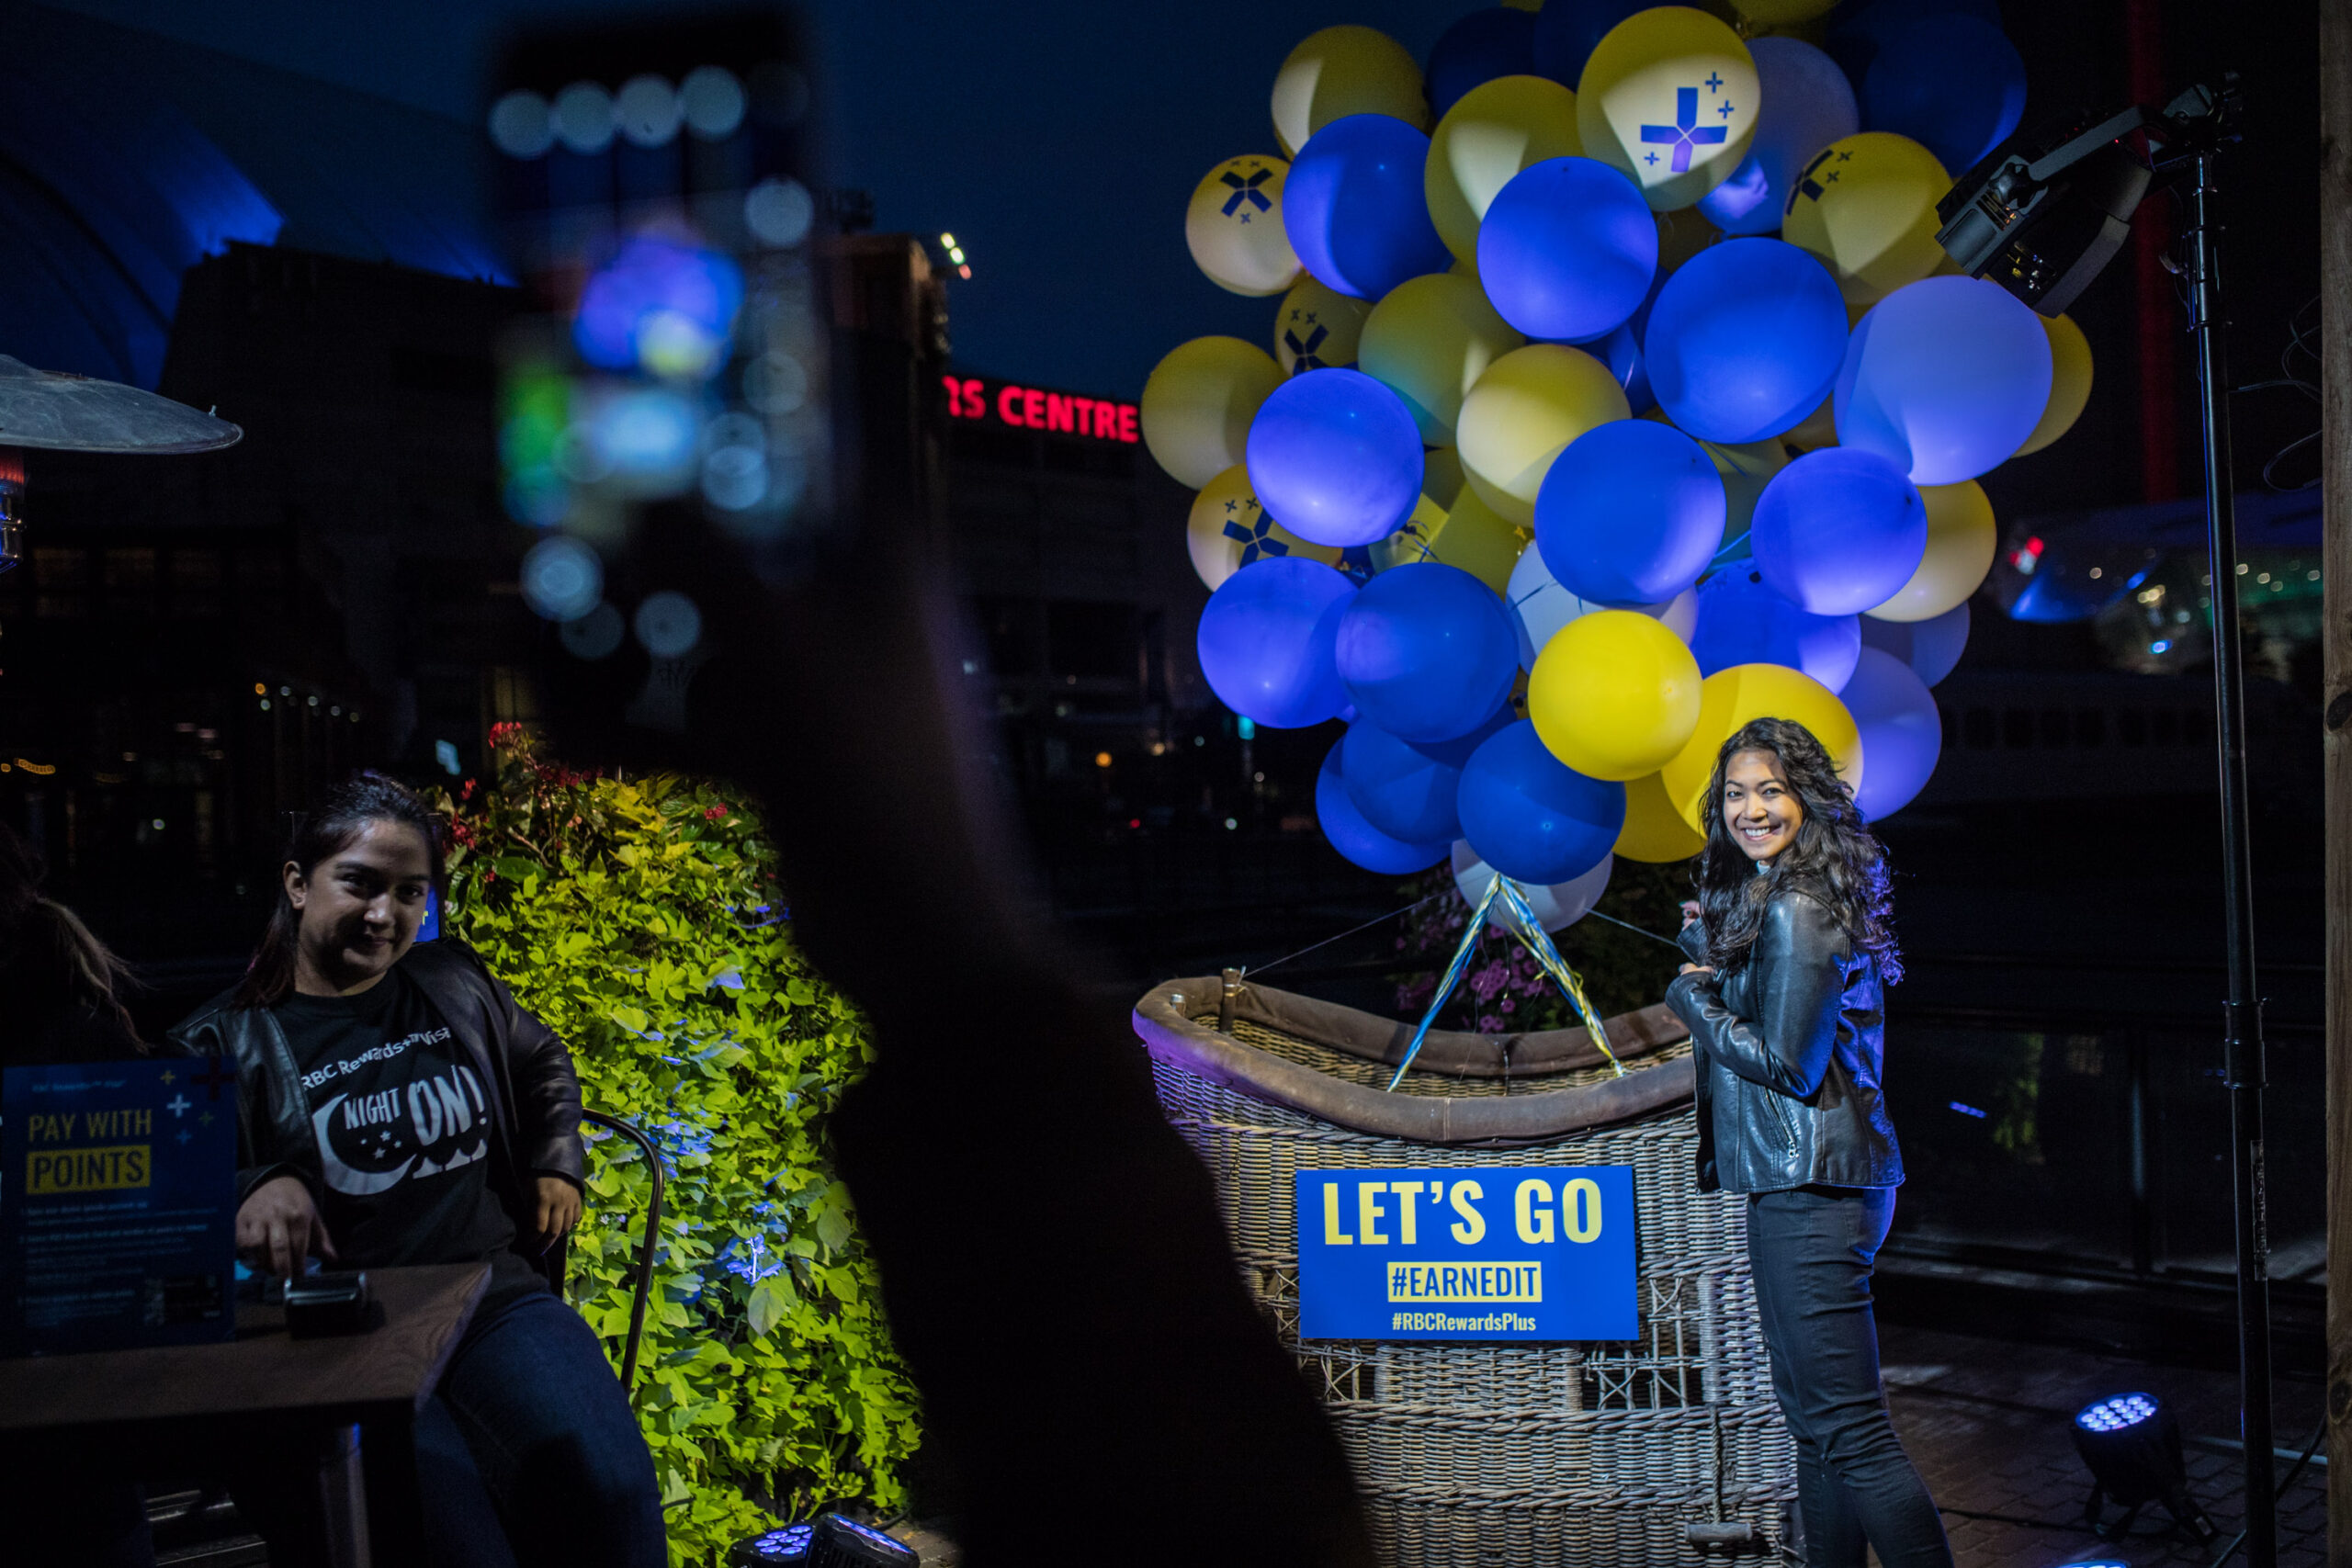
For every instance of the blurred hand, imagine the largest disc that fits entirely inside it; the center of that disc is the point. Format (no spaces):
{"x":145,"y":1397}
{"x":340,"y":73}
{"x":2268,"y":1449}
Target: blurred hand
{"x":558,"y":1210}
{"x":1697,"y":969}
{"x":278,"y":1227}
{"x":1689,"y":910}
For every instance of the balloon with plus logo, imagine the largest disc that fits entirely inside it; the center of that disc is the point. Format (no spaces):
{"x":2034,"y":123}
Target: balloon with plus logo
{"x":1567,"y":250}
{"x":1426,"y":652}
{"x":1317,"y":328}
{"x":1866,"y":206}
{"x":1233,"y":226}
{"x":1354,"y":209}
{"x":1336,"y":457}
{"x":1670,"y":97}
{"x":1839,"y":531}
{"x":1741,"y":621}
{"x":1267,"y":638}
{"x":1533,"y":818}
{"x":1629,"y":513}
{"x":1944,"y":378}
{"x":1226,"y":530}
{"x":1808,"y":104}
{"x":1345,"y":827}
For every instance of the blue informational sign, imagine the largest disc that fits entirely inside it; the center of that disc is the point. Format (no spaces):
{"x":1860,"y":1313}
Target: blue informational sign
{"x":118,"y":1204}
{"x":1482,"y":1252}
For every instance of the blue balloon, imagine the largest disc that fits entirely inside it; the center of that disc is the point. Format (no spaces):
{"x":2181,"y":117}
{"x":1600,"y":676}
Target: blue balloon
{"x":1407,"y":790}
{"x":1743,"y":622}
{"x":1335,"y":457}
{"x":1746,"y":340}
{"x":1267,"y":638}
{"x":1426,"y":652}
{"x":1474,"y":51}
{"x":1354,"y":206}
{"x":1839,"y":531}
{"x":1533,"y":818}
{"x":1629,"y":514}
{"x":1945,"y":378}
{"x":1622,"y":352}
{"x":1358,"y":840}
{"x":1930,"y":647}
{"x":1953,"y":83}
{"x":1857,"y":32}
{"x":1807,"y":105}
{"x":1902,"y":733}
{"x":1566,"y":30}
{"x":1567,"y":249}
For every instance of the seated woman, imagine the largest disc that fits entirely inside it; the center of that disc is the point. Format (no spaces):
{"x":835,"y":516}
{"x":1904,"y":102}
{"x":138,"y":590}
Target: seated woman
{"x":395,"y":1105}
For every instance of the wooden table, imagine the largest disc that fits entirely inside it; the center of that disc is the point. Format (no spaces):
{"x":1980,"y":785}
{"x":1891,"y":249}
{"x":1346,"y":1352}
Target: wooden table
{"x":179,"y":1405}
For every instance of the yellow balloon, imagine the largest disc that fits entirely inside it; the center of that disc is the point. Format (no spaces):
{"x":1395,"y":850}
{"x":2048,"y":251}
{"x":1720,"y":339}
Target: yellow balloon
{"x":1233,"y":226}
{"x":1442,"y":475}
{"x":1227,"y":530}
{"x":2070,"y":382}
{"x":1669,"y":98}
{"x":1866,"y":207}
{"x":1528,"y":406}
{"x":1468,"y":536}
{"x":1729,"y":698}
{"x":1615,"y":694}
{"x":1654,"y":830}
{"x":1492,"y":133}
{"x":1961,"y":538}
{"x":1198,"y":403}
{"x":1343,"y":71}
{"x":1780,"y":13}
{"x":1429,"y":340}
{"x":1318,"y":327}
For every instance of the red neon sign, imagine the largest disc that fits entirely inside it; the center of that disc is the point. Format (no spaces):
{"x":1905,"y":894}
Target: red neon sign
{"x":1033,"y":407}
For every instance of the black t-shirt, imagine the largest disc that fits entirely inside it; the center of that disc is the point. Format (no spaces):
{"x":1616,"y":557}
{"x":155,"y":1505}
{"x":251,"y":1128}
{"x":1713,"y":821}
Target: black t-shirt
{"x":404,"y":1134}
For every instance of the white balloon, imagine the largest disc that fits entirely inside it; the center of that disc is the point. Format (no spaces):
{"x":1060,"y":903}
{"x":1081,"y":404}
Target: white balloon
{"x":1539,"y":607}
{"x":1557,"y":906}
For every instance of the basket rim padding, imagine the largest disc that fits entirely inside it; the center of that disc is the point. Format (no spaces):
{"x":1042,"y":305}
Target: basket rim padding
{"x":1163,"y":1022}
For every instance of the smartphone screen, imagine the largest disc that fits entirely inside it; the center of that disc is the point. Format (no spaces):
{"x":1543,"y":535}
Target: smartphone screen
{"x":652,"y":196}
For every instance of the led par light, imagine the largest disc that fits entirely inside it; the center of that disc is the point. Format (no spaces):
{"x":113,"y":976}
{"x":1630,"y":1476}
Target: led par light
{"x":843,"y":1542}
{"x":2132,"y":1444}
{"x":789,"y":1544}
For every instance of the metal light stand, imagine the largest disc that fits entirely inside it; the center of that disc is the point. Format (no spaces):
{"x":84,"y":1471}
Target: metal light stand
{"x":2242,"y":1043}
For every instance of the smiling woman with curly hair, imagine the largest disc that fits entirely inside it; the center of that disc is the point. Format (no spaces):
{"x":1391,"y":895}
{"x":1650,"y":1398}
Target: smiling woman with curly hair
{"x":1791,"y":948}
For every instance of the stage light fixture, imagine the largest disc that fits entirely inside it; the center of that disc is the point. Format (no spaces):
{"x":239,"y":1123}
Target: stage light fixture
{"x":842,"y":1542}
{"x":789,"y":1544}
{"x":2131,"y":1443}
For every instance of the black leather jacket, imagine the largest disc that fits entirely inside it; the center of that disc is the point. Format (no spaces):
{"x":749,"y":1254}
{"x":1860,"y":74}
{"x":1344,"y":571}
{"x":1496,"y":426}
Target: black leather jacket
{"x":534,"y":1094}
{"x":1790,"y":1046}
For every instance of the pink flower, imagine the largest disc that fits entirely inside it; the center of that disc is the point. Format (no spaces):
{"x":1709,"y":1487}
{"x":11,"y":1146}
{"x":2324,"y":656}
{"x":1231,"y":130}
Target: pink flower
{"x":1488,"y":981}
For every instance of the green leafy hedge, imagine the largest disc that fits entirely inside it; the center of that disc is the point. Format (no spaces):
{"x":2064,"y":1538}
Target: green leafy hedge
{"x":636,"y":918}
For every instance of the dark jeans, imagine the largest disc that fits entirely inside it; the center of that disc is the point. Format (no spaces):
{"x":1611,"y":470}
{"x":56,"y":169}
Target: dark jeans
{"x":526,"y":1456}
{"x":1810,"y":1250}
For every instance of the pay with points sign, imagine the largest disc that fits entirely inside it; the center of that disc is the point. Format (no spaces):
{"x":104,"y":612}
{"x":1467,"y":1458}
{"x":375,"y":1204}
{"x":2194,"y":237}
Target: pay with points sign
{"x":1492,"y":1252}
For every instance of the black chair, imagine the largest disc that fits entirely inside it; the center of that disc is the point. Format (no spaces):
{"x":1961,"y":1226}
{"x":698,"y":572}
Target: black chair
{"x":642,"y":1285}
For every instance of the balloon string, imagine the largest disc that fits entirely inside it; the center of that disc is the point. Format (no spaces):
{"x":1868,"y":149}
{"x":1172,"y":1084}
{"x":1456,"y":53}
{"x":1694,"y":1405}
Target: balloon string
{"x":1352,"y":931}
{"x":1637,"y":931}
{"x":1729,"y":545}
{"x":1451,"y":978}
{"x":1538,"y":941}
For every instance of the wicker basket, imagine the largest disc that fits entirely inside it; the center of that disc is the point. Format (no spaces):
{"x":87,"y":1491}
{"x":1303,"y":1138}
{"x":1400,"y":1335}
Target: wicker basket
{"x":1490,"y":1454}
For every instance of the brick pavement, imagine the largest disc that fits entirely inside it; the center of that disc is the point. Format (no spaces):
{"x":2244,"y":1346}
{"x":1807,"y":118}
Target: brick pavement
{"x":1988,"y":1423}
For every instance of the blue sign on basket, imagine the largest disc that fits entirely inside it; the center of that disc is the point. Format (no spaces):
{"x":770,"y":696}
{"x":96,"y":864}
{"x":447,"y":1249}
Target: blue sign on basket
{"x":118,"y":1204}
{"x":1484,"y":1252}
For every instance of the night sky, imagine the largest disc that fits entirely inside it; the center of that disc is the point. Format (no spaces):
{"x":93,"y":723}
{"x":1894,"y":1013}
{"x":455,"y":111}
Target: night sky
{"x":1057,"y":142}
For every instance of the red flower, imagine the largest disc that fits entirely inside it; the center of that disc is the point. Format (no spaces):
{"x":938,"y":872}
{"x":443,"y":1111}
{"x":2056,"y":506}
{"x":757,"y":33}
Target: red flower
{"x":715,"y":813}
{"x":466,"y":793}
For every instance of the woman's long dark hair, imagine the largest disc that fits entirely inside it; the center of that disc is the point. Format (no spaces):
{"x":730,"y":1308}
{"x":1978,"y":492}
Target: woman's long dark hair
{"x":342,"y":815}
{"x":1836,"y":857}
{"x":44,"y":945}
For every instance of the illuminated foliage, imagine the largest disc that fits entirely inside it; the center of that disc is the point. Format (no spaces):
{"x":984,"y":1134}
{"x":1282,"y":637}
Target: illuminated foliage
{"x":641,"y":919}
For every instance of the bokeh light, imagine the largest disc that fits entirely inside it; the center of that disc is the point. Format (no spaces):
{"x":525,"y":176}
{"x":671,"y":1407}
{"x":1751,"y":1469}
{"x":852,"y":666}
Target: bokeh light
{"x":646,"y":110}
{"x":779,"y":212}
{"x":711,"y":100}
{"x":583,"y":117}
{"x":661,"y":305}
{"x":521,"y":125}
{"x":668,"y":625}
{"x":562,"y":578}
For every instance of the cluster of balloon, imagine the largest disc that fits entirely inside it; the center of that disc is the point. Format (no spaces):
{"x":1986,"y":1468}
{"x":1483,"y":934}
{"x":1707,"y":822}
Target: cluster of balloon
{"x":1619,"y":394}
